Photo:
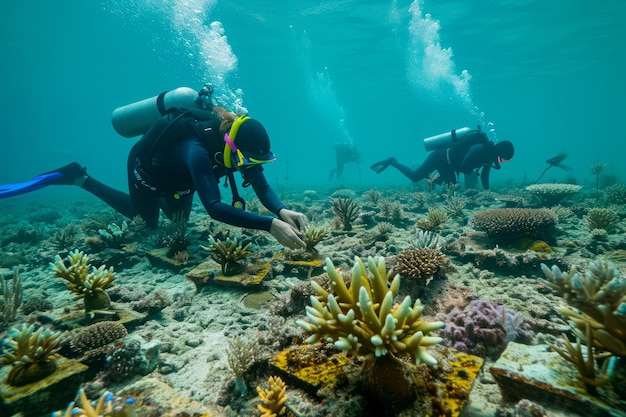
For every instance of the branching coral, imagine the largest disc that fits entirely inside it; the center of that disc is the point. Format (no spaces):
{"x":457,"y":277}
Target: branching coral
{"x":66,"y":238}
{"x":241,"y":354}
{"x":601,"y":218}
{"x":363,"y":320}
{"x":10,"y":301}
{"x":383,"y":230}
{"x":615,"y":195}
{"x":114,"y":235}
{"x":84,"y":280}
{"x":227,"y":253}
{"x":455,"y":205}
{"x":435,"y":217}
{"x":31,"y":352}
{"x":561,"y":213}
{"x":313,"y":236}
{"x":106,"y":405}
{"x":273,"y":398}
{"x":597,"y":306}
{"x":346,"y":211}
{"x":374,"y":196}
{"x":174,"y":236}
{"x":586,"y":366}
{"x":432,"y":180}
{"x":597,"y":169}
{"x":514,"y":222}
{"x":425,"y":239}
{"x":600,"y":294}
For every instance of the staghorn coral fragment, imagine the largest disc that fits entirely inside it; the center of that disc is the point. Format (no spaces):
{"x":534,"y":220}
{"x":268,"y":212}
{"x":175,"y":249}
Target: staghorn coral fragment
{"x":106,"y":405}
{"x":435,"y":217}
{"x":602,"y":218}
{"x":31,"y":352}
{"x":273,"y":398}
{"x":241,"y":354}
{"x":313,"y":236}
{"x":227,"y":253}
{"x":11,"y":300}
{"x":84,"y":280}
{"x":346,"y":211}
{"x":597,"y":303}
{"x":586,"y":366}
{"x":363,"y":320}
{"x":425,"y":239}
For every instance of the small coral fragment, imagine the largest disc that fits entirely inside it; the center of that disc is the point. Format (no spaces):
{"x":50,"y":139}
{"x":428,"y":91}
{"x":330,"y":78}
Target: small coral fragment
{"x":274,"y":398}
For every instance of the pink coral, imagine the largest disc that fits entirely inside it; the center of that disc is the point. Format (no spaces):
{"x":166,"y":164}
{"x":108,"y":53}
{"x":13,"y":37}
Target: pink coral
{"x":484,"y":329}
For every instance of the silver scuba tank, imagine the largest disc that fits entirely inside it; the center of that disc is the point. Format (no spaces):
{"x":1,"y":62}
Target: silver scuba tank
{"x":136,"y":118}
{"x":445,"y":139}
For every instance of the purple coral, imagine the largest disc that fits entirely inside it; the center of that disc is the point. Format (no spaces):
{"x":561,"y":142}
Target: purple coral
{"x":484,"y":329}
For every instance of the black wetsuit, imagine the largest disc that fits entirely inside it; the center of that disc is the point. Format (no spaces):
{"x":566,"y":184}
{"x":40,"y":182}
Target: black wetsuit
{"x":345,"y":152}
{"x":190,"y":164}
{"x":448,"y":163}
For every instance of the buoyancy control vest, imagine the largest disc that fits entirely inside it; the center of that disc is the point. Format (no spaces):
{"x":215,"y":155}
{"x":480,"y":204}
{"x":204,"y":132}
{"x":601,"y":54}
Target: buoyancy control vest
{"x":458,"y":150}
{"x":168,"y":130}
{"x":167,"y":118}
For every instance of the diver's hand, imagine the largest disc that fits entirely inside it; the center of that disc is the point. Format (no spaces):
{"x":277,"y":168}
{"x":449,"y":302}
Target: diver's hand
{"x":297,"y":220}
{"x":287,"y":235}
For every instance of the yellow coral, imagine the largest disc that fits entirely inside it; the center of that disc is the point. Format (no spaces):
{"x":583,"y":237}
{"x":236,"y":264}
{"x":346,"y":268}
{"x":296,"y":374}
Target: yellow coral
{"x":32,"y":352}
{"x":105,"y":406}
{"x":313,"y":236}
{"x":540,"y":246}
{"x":84,"y":280}
{"x":274,"y":398}
{"x":363,"y":320}
{"x":227,"y":253}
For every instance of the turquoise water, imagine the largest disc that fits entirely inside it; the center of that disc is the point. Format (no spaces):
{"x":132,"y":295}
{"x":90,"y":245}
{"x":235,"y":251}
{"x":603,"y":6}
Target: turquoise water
{"x":548,"y":76}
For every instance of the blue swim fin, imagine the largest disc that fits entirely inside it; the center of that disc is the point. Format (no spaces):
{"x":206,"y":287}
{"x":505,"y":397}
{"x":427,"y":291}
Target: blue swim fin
{"x":64,"y":175}
{"x":40,"y":181}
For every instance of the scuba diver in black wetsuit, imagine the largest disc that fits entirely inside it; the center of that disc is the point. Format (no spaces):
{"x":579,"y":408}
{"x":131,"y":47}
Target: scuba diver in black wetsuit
{"x":180,"y":155}
{"x":345,"y":152}
{"x":467,"y":156}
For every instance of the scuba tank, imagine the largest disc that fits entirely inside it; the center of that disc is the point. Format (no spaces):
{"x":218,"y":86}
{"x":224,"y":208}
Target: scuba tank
{"x":444,"y":140}
{"x":136,"y":118}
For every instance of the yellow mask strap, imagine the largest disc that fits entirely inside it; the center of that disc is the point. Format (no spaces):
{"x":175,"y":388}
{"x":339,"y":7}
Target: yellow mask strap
{"x":229,"y":138}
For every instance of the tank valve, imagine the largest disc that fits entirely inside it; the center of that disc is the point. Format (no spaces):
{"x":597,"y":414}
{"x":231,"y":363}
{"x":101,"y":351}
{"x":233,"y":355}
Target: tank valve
{"x":204,"y":97}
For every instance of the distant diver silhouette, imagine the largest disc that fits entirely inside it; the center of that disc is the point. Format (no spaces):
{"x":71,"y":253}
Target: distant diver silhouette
{"x":555,"y":161}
